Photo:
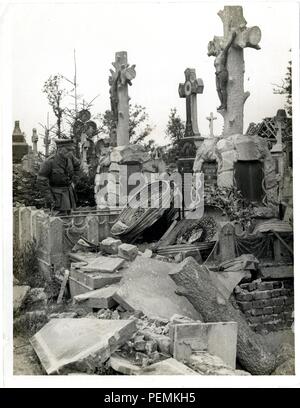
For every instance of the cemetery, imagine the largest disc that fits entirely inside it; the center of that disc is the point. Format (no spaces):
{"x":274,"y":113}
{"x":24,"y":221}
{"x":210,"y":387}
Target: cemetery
{"x":127,"y":264}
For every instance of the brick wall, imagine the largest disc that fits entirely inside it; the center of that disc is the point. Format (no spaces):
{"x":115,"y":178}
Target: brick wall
{"x":267,"y":305}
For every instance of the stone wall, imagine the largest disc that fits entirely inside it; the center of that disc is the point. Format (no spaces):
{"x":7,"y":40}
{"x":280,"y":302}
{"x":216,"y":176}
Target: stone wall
{"x":267,"y":305}
{"x":56,"y":236}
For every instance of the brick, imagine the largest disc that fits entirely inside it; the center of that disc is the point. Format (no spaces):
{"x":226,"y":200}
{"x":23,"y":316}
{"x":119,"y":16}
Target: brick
{"x":278,"y":301}
{"x":262,"y":295}
{"x":244,"y":286}
{"x":289,"y":301}
{"x":254,"y":319}
{"x":252,"y":286}
{"x":262,"y":303}
{"x":288,"y":284}
{"x":276,"y":293}
{"x":278,"y":309}
{"x":244,"y":306}
{"x":265,"y":286}
{"x":285,"y":292}
{"x":268,"y":310}
{"x":128,"y":251}
{"x":150,"y":346}
{"x":110,"y":245}
{"x":257,"y":312}
{"x":277,"y":285}
{"x":244,"y":297}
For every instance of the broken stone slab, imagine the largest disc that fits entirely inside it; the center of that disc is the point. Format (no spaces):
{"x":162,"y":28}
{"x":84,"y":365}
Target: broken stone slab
{"x":146,"y":286}
{"x":123,"y":366}
{"x":219,"y":339}
{"x":205,"y":363}
{"x":98,"y":299}
{"x":65,"y":345}
{"x":104,"y":264}
{"x":170,"y":366}
{"x":93,"y":280}
{"x":128,"y":251}
{"x":19,"y":296}
{"x":110,"y":245}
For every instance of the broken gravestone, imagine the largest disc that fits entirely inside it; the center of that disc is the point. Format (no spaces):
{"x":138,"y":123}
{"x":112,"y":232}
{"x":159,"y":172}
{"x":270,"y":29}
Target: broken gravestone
{"x":65,"y":345}
{"x":146,"y":286}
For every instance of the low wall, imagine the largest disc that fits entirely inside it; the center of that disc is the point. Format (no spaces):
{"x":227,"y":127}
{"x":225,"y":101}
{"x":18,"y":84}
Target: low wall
{"x":56,"y":236}
{"x":267,"y":305}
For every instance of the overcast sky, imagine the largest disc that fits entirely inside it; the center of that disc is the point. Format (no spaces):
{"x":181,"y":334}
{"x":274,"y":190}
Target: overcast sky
{"x":161,"y":39}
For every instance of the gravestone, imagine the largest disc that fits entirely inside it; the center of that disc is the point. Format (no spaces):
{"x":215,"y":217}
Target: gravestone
{"x":112,"y":187}
{"x":20,"y":147}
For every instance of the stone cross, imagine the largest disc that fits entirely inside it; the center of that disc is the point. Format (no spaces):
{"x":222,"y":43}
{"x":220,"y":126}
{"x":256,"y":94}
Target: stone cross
{"x":211,"y":119}
{"x":34,"y":139}
{"x":189,"y":90}
{"x":229,"y":63}
{"x":119,"y":81}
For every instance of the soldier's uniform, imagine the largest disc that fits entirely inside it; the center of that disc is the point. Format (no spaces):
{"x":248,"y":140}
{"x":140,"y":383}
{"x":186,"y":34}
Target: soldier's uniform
{"x":60,"y":172}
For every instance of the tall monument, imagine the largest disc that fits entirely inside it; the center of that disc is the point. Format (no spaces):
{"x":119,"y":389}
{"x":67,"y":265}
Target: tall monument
{"x":229,"y":64}
{"x":20,"y":147}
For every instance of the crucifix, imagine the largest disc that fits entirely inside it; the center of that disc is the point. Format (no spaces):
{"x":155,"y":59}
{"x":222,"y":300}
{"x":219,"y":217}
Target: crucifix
{"x":119,"y":81}
{"x":211,"y":119}
{"x":189,"y":90}
{"x":229,"y":64}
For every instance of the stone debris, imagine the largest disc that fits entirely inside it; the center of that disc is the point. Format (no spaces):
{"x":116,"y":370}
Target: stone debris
{"x":110,"y":245}
{"x":19,"y":296}
{"x":147,"y":253}
{"x":219,"y":339}
{"x":128,"y":251}
{"x":205,"y":363}
{"x":123,"y":366}
{"x":65,"y":345}
{"x":169,"y":366}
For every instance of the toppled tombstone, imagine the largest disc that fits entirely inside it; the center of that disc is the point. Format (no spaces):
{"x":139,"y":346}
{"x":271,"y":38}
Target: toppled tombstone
{"x":98,"y":299}
{"x":103,"y":264}
{"x":65,"y":345}
{"x":169,"y":366}
{"x":205,"y":363}
{"x":110,"y":245}
{"x":128,"y":251}
{"x":146,"y":286}
{"x":219,"y":339}
{"x":82,"y":281}
{"x":19,"y":296}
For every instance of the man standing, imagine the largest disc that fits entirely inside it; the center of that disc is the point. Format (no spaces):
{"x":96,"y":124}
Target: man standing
{"x":56,"y":177}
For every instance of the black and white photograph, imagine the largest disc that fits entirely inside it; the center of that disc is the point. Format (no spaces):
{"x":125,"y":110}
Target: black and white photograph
{"x":147,"y":227}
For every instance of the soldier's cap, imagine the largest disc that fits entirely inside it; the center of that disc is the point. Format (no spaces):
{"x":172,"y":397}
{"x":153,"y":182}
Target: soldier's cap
{"x":64,"y":142}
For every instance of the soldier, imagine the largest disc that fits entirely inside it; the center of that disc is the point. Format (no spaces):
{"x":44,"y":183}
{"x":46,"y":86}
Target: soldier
{"x":56,"y":177}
